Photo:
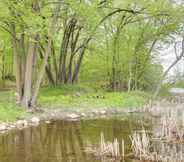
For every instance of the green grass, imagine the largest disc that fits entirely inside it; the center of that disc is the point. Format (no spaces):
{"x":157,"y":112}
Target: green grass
{"x":87,"y":98}
{"x":9,"y":111}
{"x":80,"y":97}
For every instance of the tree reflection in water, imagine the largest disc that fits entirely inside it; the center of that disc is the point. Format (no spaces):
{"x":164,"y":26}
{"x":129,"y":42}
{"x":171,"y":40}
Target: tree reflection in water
{"x":63,"y":141}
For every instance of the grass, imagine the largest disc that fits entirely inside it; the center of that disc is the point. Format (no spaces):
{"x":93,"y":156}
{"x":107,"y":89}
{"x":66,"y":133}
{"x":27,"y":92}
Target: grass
{"x":87,"y":98}
{"x":79,"y":97}
{"x":9,"y":111}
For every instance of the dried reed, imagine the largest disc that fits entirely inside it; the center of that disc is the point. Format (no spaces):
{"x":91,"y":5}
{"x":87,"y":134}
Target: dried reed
{"x":140,"y":144}
{"x":111,"y":148}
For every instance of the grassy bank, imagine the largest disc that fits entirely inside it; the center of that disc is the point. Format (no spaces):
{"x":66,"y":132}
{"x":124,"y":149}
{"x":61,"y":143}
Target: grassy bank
{"x":9,"y":111}
{"x":78,"y":97}
{"x":81,"y":97}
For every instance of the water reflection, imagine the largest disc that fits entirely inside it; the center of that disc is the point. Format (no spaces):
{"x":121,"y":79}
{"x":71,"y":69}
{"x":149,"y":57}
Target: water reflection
{"x":65,"y":141}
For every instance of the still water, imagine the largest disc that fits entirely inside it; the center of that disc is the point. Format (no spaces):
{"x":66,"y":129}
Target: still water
{"x":66,"y":141}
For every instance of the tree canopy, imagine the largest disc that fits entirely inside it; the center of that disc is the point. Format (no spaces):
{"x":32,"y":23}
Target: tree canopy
{"x":112,"y":43}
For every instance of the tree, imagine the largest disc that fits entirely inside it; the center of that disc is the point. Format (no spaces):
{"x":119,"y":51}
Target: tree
{"x":25,"y":37}
{"x":173,"y":63}
{"x":53,"y":42}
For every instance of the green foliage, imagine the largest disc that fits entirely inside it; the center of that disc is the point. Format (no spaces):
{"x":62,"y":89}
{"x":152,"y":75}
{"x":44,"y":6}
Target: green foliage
{"x":131,"y":46}
{"x":120,"y":49}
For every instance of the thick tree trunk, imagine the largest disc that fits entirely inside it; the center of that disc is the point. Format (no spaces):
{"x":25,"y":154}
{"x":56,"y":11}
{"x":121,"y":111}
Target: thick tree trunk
{"x":29,"y":71}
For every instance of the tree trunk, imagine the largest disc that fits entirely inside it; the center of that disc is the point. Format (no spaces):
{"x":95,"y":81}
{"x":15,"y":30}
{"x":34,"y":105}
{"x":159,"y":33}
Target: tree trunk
{"x":29,"y":71}
{"x":51,"y":32}
{"x":69,"y":77}
{"x":22,"y":61}
{"x":17,"y":66}
{"x":55,"y":63}
{"x":48,"y":70}
{"x":79,"y":62}
{"x":73,"y":52}
{"x":64,"y":49}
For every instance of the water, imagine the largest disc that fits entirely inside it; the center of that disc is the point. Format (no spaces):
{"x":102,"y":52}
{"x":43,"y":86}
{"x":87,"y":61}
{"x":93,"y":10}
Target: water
{"x":66,"y":141}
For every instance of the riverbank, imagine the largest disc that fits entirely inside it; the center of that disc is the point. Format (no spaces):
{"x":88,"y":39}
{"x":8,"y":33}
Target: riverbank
{"x":80,"y":98}
{"x":48,"y":115}
{"x":68,"y":102}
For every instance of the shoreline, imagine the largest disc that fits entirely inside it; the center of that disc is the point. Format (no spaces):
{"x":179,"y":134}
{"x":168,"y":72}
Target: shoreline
{"x":48,"y":116}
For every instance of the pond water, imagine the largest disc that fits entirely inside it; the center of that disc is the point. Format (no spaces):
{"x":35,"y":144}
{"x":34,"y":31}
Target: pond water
{"x":66,"y":141}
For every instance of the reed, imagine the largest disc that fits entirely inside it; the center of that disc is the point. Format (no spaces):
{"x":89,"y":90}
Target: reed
{"x":171,"y":128}
{"x":111,"y":148}
{"x":106,"y":149}
{"x":145,"y":149}
{"x":140,"y":145}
